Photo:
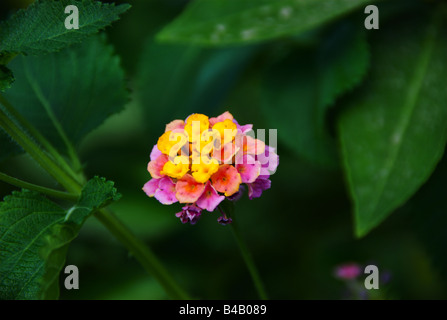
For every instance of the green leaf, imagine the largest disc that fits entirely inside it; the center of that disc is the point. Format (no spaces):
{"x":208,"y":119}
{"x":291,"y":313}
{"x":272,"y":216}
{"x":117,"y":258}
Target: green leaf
{"x":305,"y":83}
{"x":176,"y":81}
{"x":6,"y":75}
{"x":41,"y":27}
{"x":34,"y":237}
{"x":69,"y":93}
{"x":226,"y":22}
{"x":6,"y":78}
{"x":394,"y":131}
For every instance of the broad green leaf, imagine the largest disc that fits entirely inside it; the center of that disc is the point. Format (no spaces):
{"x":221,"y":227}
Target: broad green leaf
{"x":176,"y":81}
{"x":6,"y":78}
{"x":34,"y":237}
{"x":41,"y":27}
{"x":299,"y":89}
{"x":75,"y":89}
{"x":394,"y":131}
{"x":227,"y":22}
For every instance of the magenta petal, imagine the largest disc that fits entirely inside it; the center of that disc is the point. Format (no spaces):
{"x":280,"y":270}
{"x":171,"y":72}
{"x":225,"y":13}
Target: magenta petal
{"x":156,"y":166}
{"x":166,"y":191}
{"x":155,"y":153}
{"x":190,"y":213}
{"x":269,"y":161}
{"x":245,"y":128}
{"x":249,"y":169}
{"x":255,"y":189}
{"x":151,"y":187}
{"x":210,"y":199}
{"x":348,"y":271}
{"x":224,"y":116}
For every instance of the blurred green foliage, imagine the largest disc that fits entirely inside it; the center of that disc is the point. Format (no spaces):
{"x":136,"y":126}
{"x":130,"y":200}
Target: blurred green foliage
{"x":301,"y":84}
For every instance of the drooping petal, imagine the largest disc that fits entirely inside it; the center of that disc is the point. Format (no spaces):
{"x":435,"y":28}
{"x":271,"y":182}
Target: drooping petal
{"x":193,"y":213}
{"x":155,"y":152}
{"x":183,"y":217}
{"x":188,"y":190}
{"x":249,"y":169}
{"x":224,"y":220}
{"x":166,"y":191}
{"x":226,"y":180}
{"x":190,"y":214}
{"x":255,"y":189}
{"x":151,"y":187}
{"x":210,"y":199}
{"x":156,"y":166}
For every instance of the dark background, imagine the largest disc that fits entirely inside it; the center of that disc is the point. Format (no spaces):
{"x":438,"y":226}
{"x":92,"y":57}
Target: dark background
{"x":298,"y":231}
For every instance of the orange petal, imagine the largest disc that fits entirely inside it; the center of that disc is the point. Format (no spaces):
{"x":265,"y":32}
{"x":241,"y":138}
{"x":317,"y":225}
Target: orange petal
{"x":188,"y":190}
{"x":226,"y":180}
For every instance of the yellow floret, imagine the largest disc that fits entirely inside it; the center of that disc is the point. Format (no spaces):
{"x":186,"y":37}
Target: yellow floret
{"x":227,"y":130}
{"x":171,"y":142}
{"x":198,"y":122}
{"x":202,"y":172}
{"x":177,"y":168}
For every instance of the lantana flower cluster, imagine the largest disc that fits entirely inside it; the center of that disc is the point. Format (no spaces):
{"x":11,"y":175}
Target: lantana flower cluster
{"x":201,"y":161}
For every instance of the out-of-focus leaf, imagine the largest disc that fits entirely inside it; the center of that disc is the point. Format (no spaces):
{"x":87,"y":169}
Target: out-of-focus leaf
{"x":176,"y":81}
{"x":34,"y":237}
{"x":299,"y":89}
{"x":7,"y":147}
{"x":41,"y":27}
{"x":426,"y":211}
{"x":226,"y":22}
{"x":6,"y":78}
{"x":80,"y":86}
{"x":394,"y":130}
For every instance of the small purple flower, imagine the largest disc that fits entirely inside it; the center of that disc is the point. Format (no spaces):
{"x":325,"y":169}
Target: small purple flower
{"x":385,"y":277}
{"x":348,"y":271}
{"x":189,"y":214}
{"x":237,"y":195}
{"x":224,"y":220}
{"x":255,"y":189}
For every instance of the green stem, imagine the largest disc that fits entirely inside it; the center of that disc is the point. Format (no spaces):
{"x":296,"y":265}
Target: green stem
{"x":37,"y":135}
{"x":141,"y":252}
{"x":49,"y":192}
{"x":38,"y":154}
{"x":249,"y":261}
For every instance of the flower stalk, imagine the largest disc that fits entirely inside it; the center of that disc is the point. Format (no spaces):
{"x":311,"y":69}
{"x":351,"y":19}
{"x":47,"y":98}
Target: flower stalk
{"x":249,"y":262}
{"x":54,"y":164}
